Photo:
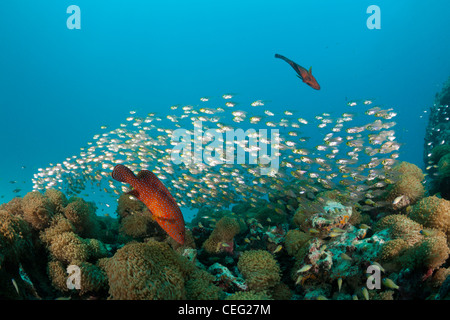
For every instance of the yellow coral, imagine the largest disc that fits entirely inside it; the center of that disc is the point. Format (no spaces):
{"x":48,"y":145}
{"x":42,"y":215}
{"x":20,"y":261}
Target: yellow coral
{"x":14,"y":207}
{"x":412,"y":245}
{"x":58,"y":225}
{"x":224,"y":232}
{"x":260,"y":269}
{"x":430,"y":253}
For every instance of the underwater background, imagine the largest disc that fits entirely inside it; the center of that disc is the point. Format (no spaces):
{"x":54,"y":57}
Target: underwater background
{"x":60,"y":86}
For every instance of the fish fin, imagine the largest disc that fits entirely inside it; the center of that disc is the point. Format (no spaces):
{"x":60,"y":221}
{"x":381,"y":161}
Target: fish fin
{"x":134,"y":193}
{"x":310,"y":70}
{"x":299,"y":76}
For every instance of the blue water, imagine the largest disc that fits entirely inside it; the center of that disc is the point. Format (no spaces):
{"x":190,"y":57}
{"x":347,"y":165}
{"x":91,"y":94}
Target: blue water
{"x":58,"y":86}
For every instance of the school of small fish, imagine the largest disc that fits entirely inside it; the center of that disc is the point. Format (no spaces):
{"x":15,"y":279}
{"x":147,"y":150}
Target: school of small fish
{"x":348,"y":152}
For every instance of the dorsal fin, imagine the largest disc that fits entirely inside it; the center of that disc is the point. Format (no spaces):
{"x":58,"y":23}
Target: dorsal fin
{"x":310,"y":70}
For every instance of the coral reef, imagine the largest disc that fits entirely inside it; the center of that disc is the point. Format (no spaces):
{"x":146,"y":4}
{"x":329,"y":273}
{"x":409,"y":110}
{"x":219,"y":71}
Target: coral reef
{"x":317,"y":245}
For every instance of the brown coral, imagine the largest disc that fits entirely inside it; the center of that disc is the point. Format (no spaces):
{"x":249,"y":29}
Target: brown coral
{"x":260,"y":269}
{"x":295,"y":239}
{"x":222,"y":236}
{"x":141,"y":271}
{"x":14,"y":236}
{"x":67,"y":247}
{"x":407,"y":179}
{"x":82,"y":215}
{"x":412,"y":245}
{"x":199,"y":286}
{"x":401,"y":227}
{"x":37,"y":210}
{"x":58,"y":275}
{"x":135,"y":225}
{"x":128,"y":205}
{"x":433,"y":212}
{"x":430,"y":253}
{"x":57,"y":198}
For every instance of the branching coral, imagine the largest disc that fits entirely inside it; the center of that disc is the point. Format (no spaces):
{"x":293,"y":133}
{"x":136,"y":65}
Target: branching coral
{"x":221,"y":239}
{"x":260,"y":269}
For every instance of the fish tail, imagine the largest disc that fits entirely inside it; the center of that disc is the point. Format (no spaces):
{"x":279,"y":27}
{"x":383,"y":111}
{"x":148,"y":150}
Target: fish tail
{"x":122,"y":174}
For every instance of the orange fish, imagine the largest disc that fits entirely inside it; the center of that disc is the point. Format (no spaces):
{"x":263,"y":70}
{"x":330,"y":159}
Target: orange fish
{"x":152,"y":192}
{"x":303,"y":74}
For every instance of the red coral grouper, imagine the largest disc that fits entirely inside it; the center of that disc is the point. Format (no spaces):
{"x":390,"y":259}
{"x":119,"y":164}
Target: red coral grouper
{"x":303,"y":74}
{"x":148,"y":189}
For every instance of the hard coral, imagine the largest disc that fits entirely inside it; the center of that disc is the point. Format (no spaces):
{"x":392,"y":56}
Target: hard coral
{"x":221,"y":239}
{"x":260,"y":269}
